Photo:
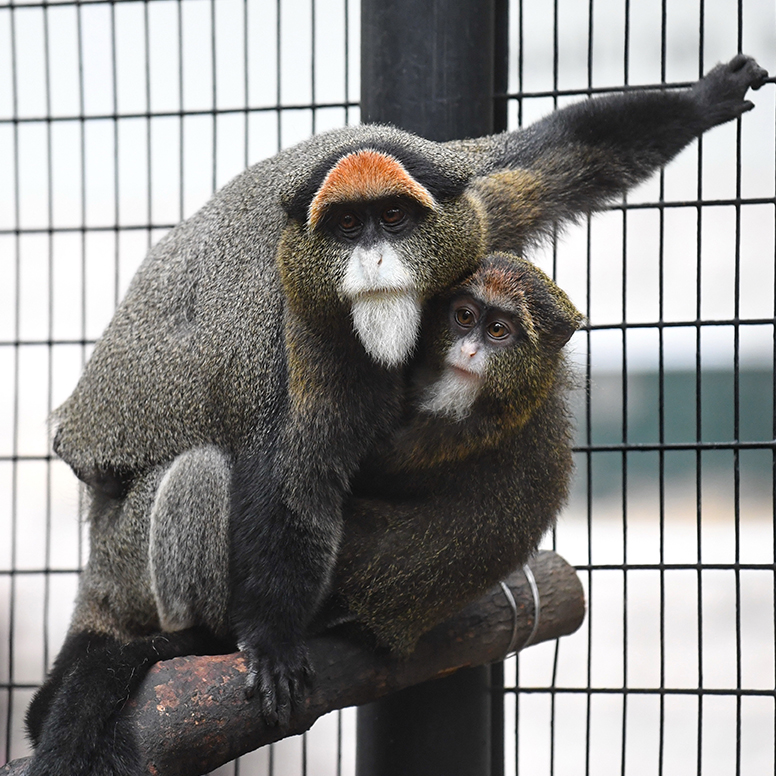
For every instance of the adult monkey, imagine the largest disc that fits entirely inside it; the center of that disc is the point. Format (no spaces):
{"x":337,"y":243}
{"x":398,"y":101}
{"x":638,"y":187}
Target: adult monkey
{"x":195,"y":384}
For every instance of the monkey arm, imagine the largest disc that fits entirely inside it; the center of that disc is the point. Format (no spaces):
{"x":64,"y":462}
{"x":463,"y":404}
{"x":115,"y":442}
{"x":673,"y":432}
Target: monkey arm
{"x":285,"y":528}
{"x":277,"y":565}
{"x":287,"y":500}
{"x":579,"y":158}
{"x":633,"y":133}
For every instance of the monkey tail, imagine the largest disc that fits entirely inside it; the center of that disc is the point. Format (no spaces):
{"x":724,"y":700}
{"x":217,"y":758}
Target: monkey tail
{"x":74,"y":720}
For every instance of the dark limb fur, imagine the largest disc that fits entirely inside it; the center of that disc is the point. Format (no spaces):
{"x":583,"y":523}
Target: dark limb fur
{"x":286,"y":519}
{"x":74,"y":718}
{"x":579,"y":158}
{"x":276,"y":568}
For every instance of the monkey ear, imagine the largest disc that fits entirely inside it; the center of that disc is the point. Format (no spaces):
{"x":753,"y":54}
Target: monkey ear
{"x":553,"y":312}
{"x":560,"y":319}
{"x":565,"y":325}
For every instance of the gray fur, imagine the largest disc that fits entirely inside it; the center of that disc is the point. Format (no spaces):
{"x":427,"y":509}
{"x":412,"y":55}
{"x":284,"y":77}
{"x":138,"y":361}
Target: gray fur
{"x":115,"y":596}
{"x":189,"y":541}
{"x":186,"y":342}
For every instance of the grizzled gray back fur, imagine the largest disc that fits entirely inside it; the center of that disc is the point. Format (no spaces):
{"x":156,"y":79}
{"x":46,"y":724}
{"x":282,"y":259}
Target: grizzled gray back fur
{"x":188,"y":338}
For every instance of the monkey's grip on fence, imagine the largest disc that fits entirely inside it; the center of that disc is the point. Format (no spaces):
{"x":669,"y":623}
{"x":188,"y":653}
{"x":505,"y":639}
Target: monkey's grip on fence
{"x":190,"y":714}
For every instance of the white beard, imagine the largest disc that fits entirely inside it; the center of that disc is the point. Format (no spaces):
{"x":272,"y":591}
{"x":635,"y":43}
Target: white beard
{"x":384,"y":304}
{"x":387,"y":325}
{"x":452,"y":395}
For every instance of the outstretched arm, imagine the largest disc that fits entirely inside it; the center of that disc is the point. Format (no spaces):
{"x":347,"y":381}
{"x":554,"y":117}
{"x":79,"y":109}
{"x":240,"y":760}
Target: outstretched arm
{"x":578,"y":159}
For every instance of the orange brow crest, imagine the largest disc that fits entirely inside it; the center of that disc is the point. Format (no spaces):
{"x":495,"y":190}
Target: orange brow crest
{"x":365,"y":175}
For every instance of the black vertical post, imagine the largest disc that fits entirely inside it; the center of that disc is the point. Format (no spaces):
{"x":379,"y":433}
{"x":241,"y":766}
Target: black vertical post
{"x":429,"y":67}
{"x":440,"y":728}
{"x":432,"y":68}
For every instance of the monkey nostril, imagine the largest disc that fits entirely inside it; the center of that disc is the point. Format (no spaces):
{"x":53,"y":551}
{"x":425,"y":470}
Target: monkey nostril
{"x":379,"y":259}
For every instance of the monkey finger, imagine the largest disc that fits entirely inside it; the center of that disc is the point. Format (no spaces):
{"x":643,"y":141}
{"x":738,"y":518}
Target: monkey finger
{"x":729,"y":82}
{"x":283,"y":703}
{"x":282,"y":686}
{"x":251,"y":682}
{"x":268,"y":693}
{"x":299,"y":684}
{"x":308,"y":674}
{"x":252,"y":674}
{"x":754,"y":74}
{"x":761,"y":76}
{"x":738,"y":61}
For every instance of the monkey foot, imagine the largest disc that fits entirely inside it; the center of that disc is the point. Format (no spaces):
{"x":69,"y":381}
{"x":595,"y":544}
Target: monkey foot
{"x":279,"y":683}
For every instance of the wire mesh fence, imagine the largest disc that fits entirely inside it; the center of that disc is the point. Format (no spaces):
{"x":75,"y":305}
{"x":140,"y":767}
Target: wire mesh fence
{"x":118,"y":119}
{"x":671,"y":521}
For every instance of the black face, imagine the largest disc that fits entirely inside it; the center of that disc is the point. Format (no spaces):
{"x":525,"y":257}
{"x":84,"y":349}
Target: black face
{"x":495,"y":327}
{"x":372,"y":220}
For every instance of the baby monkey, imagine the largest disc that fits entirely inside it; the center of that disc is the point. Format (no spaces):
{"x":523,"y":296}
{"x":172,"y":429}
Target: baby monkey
{"x":462,"y":494}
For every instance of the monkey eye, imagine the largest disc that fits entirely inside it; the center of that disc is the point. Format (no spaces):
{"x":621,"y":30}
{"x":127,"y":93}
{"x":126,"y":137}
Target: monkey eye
{"x":498,"y":330}
{"x":393,"y":216}
{"x":465,"y":317}
{"x":349,"y":223}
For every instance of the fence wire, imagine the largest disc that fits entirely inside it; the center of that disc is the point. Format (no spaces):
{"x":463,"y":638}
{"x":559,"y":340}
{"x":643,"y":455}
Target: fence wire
{"x":671,"y":521}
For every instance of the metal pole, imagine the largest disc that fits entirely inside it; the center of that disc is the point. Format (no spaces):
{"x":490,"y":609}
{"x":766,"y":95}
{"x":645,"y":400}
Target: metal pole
{"x":440,"y":728}
{"x":429,"y":67}
{"x":432,"y":68}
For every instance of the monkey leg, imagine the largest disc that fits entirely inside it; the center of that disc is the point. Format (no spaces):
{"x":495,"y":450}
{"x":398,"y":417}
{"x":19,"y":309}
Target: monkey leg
{"x":74,"y":717}
{"x":114,"y":636}
{"x":189,"y":541}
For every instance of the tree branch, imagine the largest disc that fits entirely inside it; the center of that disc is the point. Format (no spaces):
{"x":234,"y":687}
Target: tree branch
{"x":190,"y":714}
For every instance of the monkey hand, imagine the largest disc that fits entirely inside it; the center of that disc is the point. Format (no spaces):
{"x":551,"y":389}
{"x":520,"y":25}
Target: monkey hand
{"x":280,"y":682}
{"x":720,"y":93}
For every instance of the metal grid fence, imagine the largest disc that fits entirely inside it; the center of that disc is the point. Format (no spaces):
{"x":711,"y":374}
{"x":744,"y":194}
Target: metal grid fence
{"x":117,"y":119}
{"x":671,"y":521}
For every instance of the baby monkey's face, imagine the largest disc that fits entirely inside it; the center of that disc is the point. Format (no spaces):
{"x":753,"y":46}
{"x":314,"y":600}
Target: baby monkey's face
{"x":478,"y":331}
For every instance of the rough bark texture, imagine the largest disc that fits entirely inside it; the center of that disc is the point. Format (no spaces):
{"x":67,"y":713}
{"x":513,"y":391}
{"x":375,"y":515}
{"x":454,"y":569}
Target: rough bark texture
{"x":190,"y":715}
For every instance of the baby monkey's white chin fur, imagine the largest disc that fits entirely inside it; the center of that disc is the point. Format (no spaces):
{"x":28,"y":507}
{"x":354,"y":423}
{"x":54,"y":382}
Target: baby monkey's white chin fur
{"x":453,"y":394}
{"x":387,"y":324}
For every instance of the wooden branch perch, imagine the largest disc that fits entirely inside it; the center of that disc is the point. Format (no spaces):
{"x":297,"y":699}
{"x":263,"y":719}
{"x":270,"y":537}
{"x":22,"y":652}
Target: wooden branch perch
{"x":190,"y":715}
